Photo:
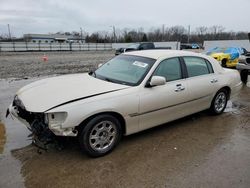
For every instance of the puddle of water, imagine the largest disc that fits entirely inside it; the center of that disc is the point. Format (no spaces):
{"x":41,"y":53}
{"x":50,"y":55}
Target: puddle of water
{"x":2,"y":137}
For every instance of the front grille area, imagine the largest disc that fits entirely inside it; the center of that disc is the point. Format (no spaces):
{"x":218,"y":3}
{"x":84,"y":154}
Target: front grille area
{"x":30,"y":117}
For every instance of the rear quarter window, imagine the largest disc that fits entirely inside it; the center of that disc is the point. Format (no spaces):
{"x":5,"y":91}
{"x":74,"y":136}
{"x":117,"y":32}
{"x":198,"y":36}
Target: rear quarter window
{"x":197,"y":66}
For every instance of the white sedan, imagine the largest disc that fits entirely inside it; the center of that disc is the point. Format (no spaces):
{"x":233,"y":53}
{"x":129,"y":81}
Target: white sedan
{"x":130,"y":93}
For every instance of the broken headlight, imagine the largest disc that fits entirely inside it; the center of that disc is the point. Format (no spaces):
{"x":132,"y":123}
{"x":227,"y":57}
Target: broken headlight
{"x":55,"y":119}
{"x":18,"y":103}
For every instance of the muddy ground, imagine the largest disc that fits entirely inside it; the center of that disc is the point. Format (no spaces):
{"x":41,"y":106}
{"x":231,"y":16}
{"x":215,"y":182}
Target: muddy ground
{"x":197,"y":151}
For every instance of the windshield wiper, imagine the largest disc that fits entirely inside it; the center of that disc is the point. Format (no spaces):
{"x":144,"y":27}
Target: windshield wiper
{"x":111,"y":80}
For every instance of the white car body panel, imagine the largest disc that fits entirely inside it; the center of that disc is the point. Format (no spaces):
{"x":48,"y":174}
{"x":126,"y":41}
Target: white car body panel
{"x":42,"y":95}
{"x":140,"y":107}
{"x":156,"y":103}
{"x":111,"y":102}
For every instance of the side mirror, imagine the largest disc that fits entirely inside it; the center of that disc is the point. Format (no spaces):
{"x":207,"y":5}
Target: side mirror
{"x":157,"y":81}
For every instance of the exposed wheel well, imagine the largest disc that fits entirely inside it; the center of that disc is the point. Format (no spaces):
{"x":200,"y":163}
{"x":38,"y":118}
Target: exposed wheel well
{"x":115,"y":114}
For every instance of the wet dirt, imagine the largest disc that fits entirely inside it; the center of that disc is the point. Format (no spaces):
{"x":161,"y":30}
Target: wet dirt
{"x":2,"y":137}
{"x":197,"y":151}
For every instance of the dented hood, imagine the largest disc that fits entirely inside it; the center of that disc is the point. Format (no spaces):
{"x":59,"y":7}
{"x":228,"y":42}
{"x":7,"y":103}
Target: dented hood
{"x":45,"y":94}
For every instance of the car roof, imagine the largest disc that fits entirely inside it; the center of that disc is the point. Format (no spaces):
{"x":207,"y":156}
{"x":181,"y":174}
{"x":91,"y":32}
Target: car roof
{"x":157,"y":54}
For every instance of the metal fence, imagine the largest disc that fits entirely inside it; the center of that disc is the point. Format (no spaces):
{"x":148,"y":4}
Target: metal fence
{"x":26,"y":46}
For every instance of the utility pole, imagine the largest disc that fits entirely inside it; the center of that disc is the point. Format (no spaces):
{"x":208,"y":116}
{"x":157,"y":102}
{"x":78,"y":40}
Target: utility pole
{"x":163,"y":32}
{"x":188,"y":33}
{"x":114,"y":33}
{"x":9,"y":31}
{"x":81,"y":34}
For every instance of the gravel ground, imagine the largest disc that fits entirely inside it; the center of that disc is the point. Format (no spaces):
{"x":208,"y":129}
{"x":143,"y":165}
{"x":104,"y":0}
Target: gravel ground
{"x":31,"y":64}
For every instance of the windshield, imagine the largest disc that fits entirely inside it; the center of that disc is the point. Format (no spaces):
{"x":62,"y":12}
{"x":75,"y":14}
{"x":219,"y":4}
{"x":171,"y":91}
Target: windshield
{"x":125,"y":69}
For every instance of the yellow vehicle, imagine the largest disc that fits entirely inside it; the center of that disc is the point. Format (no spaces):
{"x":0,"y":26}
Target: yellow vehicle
{"x":229,"y":57}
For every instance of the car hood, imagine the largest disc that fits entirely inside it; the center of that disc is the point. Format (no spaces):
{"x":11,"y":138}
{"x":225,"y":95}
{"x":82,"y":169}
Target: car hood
{"x":45,"y":94}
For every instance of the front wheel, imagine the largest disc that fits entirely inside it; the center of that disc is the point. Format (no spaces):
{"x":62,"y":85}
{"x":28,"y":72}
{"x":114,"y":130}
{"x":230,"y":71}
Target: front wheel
{"x":219,"y":102}
{"x":100,"y":135}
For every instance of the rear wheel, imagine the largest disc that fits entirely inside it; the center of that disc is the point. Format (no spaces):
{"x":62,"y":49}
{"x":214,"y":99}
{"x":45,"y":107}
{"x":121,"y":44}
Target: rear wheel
{"x":100,"y":135}
{"x":219,"y":102}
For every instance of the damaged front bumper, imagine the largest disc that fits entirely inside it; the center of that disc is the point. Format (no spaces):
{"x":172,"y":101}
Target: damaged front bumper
{"x":44,"y":126}
{"x":41,"y":134}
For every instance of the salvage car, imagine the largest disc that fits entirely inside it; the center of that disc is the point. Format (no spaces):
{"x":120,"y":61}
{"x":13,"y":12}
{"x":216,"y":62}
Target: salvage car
{"x":228,"y":57}
{"x":190,"y":46}
{"x":130,"y":93}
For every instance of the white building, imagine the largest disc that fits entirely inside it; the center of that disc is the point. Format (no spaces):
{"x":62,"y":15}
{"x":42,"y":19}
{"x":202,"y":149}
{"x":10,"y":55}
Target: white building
{"x":52,"y":38}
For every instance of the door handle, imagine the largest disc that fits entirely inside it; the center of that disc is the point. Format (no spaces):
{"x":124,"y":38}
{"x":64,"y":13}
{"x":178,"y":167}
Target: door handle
{"x":179,"y":88}
{"x":214,"y":81}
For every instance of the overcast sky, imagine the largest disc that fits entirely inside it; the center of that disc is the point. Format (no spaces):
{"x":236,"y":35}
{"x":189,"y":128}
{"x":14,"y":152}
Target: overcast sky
{"x":44,"y":16}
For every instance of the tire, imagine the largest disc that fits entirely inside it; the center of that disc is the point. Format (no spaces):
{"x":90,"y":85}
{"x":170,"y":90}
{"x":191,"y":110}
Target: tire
{"x":100,"y":135}
{"x":244,"y":75}
{"x":219,"y":102}
{"x":224,"y":63}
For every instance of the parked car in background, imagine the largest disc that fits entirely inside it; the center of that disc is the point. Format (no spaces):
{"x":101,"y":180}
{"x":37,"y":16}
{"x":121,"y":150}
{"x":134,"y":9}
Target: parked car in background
{"x":139,"y":46}
{"x":130,"y":93}
{"x":228,"y":57}
{"x":190,"y":46}
{"x":244,"y":65}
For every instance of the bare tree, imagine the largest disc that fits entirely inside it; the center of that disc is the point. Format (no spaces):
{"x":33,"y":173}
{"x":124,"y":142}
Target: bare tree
{"x":156,"y":34}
